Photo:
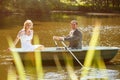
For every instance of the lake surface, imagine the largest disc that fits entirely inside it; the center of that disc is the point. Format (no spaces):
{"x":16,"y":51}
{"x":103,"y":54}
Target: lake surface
{"x":57,"y":24}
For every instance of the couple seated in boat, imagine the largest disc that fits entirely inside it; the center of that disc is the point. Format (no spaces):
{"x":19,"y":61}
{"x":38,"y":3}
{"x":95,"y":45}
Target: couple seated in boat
{"x":25,"y":35}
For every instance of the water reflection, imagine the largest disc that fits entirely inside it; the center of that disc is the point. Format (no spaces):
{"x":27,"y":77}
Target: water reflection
{"x":106,"y":74}
{"x":94,"y":73}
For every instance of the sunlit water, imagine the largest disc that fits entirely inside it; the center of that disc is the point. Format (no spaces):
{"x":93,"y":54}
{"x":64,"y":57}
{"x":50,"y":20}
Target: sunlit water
{"x":59,"y":25}
{"x":93,"y":73}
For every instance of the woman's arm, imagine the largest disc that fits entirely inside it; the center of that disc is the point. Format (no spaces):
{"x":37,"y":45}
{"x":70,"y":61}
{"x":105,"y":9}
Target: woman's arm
{"x":17,"y":38}
{"x":16,"y":41}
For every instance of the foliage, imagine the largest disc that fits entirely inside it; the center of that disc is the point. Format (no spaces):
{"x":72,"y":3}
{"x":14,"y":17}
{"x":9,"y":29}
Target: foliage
{"x":39,"y":7}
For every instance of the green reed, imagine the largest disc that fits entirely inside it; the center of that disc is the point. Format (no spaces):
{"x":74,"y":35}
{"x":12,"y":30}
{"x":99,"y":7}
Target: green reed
{"x":38,"y":61}
{"x":70,"y":67}
{"x":17,"y":61}
{"x":93,"y":58}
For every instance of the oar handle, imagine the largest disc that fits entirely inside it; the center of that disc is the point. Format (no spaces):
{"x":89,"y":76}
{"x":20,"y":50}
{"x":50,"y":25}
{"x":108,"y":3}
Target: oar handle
{"x":55,"y":43}
{"x":64,"y":45}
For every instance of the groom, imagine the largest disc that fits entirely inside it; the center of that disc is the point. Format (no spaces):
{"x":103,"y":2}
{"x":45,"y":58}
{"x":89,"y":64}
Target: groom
{"x":74,"y":37}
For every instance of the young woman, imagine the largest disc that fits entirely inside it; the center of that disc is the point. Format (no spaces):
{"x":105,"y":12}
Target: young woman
{"x":25,"y":35}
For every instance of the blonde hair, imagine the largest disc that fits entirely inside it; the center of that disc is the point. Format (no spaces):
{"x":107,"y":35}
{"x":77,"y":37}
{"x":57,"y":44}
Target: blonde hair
{"x":28,"y":22}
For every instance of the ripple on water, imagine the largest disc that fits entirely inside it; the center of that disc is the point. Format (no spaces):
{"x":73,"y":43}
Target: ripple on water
{"x":93,"y":73}
{"x":55,"y":76}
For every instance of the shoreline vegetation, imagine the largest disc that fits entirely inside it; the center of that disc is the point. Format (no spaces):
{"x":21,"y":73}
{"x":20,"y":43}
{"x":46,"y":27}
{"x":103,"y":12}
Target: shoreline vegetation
{"x":45,"y":7}
{"x":65,"y":12}
{"x":88,"y":13}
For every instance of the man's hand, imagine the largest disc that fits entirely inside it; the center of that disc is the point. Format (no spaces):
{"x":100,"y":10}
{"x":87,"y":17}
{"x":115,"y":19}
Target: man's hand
{"x":58,"y":38}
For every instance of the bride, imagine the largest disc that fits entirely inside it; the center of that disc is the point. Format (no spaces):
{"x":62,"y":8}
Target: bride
{"x":25,"y":36}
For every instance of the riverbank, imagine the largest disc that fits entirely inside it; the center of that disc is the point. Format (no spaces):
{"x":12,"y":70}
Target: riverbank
{"x":88,"y":13}
{"x":65,"y":12}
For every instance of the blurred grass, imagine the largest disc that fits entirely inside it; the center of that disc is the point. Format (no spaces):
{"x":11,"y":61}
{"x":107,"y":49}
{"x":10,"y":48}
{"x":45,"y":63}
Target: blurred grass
{"x":93,"y":58}
{"x":70,"y":67}
{"x":38,"y":60}
{"x":17,"y":61}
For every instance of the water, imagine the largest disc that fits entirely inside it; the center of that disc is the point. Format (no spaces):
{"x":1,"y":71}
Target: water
{"x":58,"y":24}
{"x":54,"y":74}
{"x":93,"y":74}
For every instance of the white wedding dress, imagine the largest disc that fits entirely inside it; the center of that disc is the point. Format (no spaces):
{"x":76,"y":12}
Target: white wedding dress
{"x":26,"y":44}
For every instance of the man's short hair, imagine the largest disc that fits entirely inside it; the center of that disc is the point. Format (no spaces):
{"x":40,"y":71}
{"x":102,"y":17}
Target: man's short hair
{"x":74,"y":22}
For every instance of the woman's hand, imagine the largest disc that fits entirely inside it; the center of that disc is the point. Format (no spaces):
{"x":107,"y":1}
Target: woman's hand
{"x":8,"y":49}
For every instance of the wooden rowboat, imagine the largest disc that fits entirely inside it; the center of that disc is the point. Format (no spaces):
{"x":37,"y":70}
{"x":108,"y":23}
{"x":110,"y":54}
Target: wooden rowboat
{"x":106,"y":53}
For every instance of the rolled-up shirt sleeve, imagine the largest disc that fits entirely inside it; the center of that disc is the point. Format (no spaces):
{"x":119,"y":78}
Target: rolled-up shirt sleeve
{"x":71,"y":38}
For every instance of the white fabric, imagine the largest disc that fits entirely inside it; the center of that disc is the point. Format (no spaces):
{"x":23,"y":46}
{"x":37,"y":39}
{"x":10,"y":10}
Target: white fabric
{"x":71,"y":33}
{"x":26,"y":40}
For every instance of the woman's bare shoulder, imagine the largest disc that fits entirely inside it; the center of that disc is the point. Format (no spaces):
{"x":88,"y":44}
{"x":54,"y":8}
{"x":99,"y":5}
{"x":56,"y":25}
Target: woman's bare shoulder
{"x":21,"y":31}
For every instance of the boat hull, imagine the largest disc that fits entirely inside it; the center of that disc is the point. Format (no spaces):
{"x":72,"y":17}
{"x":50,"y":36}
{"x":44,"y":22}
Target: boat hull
{"x":50,"y":54}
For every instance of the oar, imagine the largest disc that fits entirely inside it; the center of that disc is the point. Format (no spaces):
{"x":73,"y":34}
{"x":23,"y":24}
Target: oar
{"x":72,"y":53}
{"x":55,"y":43}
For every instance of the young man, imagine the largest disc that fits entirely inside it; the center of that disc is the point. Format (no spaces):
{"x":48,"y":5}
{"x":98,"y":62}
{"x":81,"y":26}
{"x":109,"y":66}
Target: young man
{"x":74,"y":37}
